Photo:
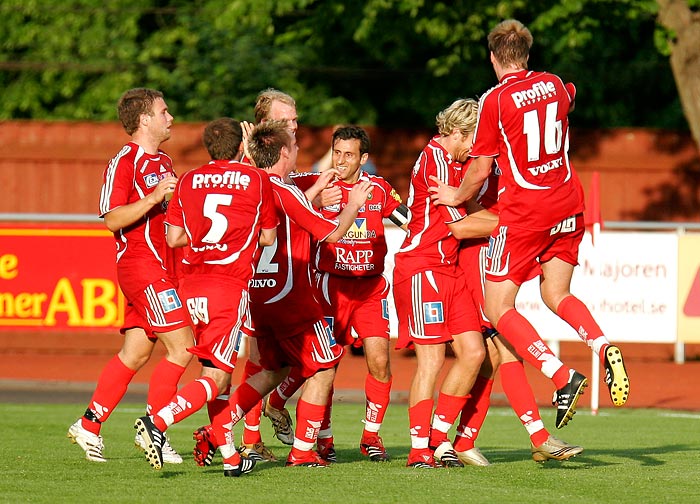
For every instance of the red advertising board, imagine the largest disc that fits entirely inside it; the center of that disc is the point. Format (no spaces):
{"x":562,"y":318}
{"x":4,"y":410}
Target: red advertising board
{"x":58,"y":277}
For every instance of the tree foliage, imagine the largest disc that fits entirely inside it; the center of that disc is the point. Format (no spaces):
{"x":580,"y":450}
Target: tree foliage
{"x":383,"y":62}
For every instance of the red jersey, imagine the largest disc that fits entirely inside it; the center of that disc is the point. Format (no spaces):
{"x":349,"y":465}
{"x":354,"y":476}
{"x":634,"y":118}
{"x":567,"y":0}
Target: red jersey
{"x":361,"y":252}
{"x":281,"y":292}
{"x":222,"y":206}
{"x":131,"y":175}
{"x":524,"y":122}
{"x":429,"y":244}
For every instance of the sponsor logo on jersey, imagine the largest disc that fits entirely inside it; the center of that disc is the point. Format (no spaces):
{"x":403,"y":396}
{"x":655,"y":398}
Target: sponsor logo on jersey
{"x":433,"y":313}
{"x":376,"y":207}
{"x":539,"y":91}
{"x":395,"y":195}
{"x":152,"y":179}
{"x":168,"y":300}
{"x":359,"y":231}
{"x":548,"y":166}
{"x":350,"y":256}
{"x":229,"y":179}
{"x":260,"y":283}
{"x":333,"y":208}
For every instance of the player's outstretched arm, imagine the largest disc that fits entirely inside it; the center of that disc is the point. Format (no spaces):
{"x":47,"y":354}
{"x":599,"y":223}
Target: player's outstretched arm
{"x":356,"y":198}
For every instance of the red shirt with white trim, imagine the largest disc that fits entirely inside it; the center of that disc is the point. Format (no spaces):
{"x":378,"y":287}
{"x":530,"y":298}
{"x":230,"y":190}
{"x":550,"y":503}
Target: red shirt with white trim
{"x":429,"y":243}
{"x":523,"y":122}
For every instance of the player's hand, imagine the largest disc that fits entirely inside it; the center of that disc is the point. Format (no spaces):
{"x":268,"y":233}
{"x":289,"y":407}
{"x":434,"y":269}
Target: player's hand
{"x":331,"y":195}
{"x":164,"y":189}
{"x":359,"y":193}
{"x":441,"y":193}
{"x":246,"y":128}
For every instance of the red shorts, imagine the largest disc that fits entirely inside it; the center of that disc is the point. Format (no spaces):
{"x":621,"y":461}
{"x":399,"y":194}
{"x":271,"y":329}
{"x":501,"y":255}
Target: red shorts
{"x":516,"y":253}
{"x":354,"y":307}
{"x":311,"y":350}
{"x":472,"y":261}
{"x":156,"y":308}
{"x":218,"y":306}
{"x":432,"y":308}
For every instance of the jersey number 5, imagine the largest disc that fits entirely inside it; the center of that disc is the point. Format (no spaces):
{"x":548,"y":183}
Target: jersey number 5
{"x":219,"y":223}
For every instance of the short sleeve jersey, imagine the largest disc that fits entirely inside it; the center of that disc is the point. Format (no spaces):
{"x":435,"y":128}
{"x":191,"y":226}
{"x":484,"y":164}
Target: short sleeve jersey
{"x":429,"y":244}
{"x":281,"y":291}
{"x":523,"y":122}
{"x":222,"y":206}
{"x":361,"y":252}
{"x":131,"y":175}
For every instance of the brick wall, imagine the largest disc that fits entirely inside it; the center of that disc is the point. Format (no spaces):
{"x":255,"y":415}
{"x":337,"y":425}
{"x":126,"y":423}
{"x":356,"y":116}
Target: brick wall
{"x":56,"y":167}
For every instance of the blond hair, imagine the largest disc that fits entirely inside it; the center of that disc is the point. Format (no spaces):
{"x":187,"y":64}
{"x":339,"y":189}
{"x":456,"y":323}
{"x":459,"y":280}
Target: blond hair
{"x":263,"y":104}
{"x":510,"y":42}
{"x":460,"y":115}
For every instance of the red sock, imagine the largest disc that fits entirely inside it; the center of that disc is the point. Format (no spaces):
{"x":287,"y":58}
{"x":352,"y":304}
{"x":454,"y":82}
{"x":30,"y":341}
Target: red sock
{"x":522,"y":400}
{"x":111,"y":387}
{"x":578,"y":316}
{"x":188,"y":400}
{"x":309,"y":417}
{"x":473,"y":414}
{"x":220,"y":414}
{"x":528,"y":344}
{"x":293,"y":382}
{"x":419,"y":423}
{"x":446,"y":411}
{"x":242,"y":400}
{"x":163,"y":385}
{"x":378,"y":396}
{"x":251,"y":423}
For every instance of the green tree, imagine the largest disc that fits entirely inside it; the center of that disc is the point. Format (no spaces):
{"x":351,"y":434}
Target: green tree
{"x":383,"y":62}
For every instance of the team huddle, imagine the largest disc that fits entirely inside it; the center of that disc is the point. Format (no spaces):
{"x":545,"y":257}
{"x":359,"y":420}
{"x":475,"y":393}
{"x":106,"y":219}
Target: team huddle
{"x":245,"y":246}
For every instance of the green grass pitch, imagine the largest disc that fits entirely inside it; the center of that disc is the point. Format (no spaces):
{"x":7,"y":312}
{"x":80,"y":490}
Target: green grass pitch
{"x":635,"y":456}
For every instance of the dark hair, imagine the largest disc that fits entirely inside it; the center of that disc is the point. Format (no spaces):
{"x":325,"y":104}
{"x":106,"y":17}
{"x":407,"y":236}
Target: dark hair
{"x":266,"y":141}
{"x":352,"y":132}
{"x":222,"y":138}
{"x":133,"y":103}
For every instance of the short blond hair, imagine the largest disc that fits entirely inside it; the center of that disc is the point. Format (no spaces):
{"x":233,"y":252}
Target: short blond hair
{"x":460,"y":115}
{"x":510,"y":42}
{"x":263,"y":104}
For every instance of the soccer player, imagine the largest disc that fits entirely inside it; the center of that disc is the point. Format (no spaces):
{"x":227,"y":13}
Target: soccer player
{"x":137,"y":182}
{"x":221,"y":211}
{"x":432,"y":302}
{"x":523,"y":123}
{"x":351,"y":286}
{"x":289,"y":325}
{"x":270,"y":105}
{"x":500,"y":356}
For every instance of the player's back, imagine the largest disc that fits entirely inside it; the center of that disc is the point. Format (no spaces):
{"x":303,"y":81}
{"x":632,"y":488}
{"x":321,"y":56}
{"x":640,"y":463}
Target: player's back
{"x":224,"y":204}
{"x":280,"y":291}
{"x":528,"y":113}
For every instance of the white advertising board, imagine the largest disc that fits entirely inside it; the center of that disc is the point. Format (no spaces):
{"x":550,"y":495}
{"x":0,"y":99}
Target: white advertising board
{"x":629,"y":281}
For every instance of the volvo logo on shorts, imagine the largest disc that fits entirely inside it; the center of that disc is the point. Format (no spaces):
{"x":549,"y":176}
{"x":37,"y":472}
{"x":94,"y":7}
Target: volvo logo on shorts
{"x":432,"y":313}
{"x":168,"y":300}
